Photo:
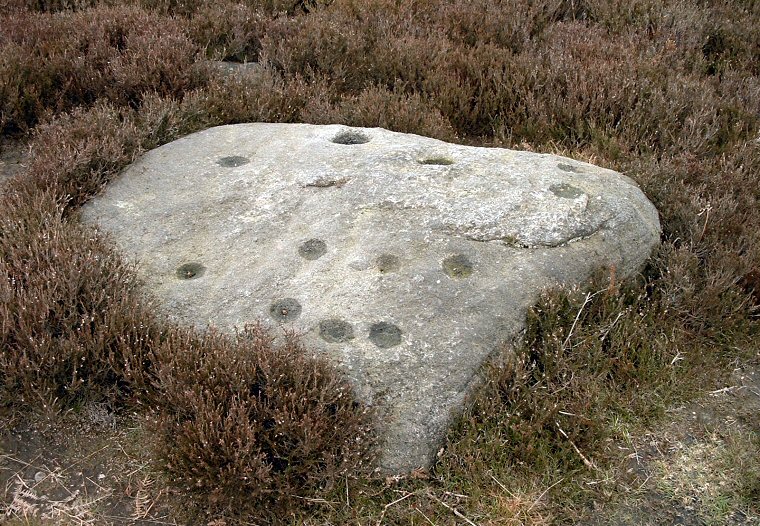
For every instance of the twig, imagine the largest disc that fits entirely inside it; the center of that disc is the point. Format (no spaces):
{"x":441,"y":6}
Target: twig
{"x":589,"y":296}
{"x":609,"y":328}
{"x":385,"y":509}
{"x":98,"y":485}
{"x":454,"y":510}
{"x":348,"y":502}
{"x":677,"y":358}
{"x":644,"y":483}
{"x":728,"y":389}
{"x":706,"y":211}
{"x":424,"y":516}
{"x":136,"y":470}
{"x":153,"y":521}
{"x":18,"y":460}
{"x":457,"y":495}
{"x":589,"y":464}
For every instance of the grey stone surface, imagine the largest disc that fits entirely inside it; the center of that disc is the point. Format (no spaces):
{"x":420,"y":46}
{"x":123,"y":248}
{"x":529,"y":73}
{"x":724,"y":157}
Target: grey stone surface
{"x":405,"y":259}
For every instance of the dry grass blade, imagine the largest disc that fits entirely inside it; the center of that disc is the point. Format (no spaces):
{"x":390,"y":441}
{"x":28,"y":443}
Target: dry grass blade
{"x":390,"y":505}
{"x":535,"y":502}
{"x":589,"y":297}
{"x":451,"y":509}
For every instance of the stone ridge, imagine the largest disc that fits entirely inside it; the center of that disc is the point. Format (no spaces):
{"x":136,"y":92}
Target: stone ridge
{"x":405,"y":259}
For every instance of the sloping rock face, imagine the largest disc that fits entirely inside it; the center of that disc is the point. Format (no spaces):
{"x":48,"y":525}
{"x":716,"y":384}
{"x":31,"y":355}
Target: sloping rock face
{"x":405,"y":259}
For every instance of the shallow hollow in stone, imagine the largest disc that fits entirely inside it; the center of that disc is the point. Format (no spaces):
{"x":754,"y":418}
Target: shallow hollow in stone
{"x":457,"y":266}
{"x":233,"y":161}
{"x":569,"y":168}
{"x":350,"y":137}
{"x":335,"y":330}
{"x":387,"y":263}
{"x":190,"y":271}
{"x":566,"y":191}
{"x":286,"y":309}
{"x":384,"y":335}
{"x":437,"y":160}
{"x":312,"y":249}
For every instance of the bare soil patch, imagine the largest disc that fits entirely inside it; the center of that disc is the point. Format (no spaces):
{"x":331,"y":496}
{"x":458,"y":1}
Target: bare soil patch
{"x":79,"y":468}
{"x":699,"y":467}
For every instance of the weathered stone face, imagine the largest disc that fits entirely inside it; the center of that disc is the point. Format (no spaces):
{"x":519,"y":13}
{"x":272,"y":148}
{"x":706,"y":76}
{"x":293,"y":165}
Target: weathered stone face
{"x":405,"y":259}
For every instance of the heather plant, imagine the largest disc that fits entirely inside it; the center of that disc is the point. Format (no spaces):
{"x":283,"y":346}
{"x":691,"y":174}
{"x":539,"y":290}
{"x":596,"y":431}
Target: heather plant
{"x":72,"y":324}
{"x":559,"y":79}
{"x":50,"y":6}
{"x":92,"y":145}
{"x":246,"y":426}
{"x":75,"y":326}
{"x":228,"y":32}
{"x":666,"y":91}
{"x":54,"y":63}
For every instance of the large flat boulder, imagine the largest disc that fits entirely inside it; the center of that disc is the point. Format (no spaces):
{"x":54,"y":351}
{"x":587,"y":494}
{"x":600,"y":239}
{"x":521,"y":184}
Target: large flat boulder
{"x":405,"y":259}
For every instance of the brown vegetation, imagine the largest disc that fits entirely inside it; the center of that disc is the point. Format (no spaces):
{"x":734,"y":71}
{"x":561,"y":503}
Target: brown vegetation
{"x":246,"y":428}
{"x":667,"y":91}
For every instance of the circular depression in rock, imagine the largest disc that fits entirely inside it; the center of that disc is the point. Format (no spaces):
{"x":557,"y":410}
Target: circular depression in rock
{"x":286,"y":309}
{"x":190,"y":270}
{"x":457,"y":266}
{"x":312,"y":249}
{"x":569,"y":168}
{"x":335,"y":330}
{"x":565,"y":190}
{"x":438,"y":160}
{"x":350,"y":137}
{"x":233,"y":161}
{"x":384,"y":335}
{"x":387,"y":263}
